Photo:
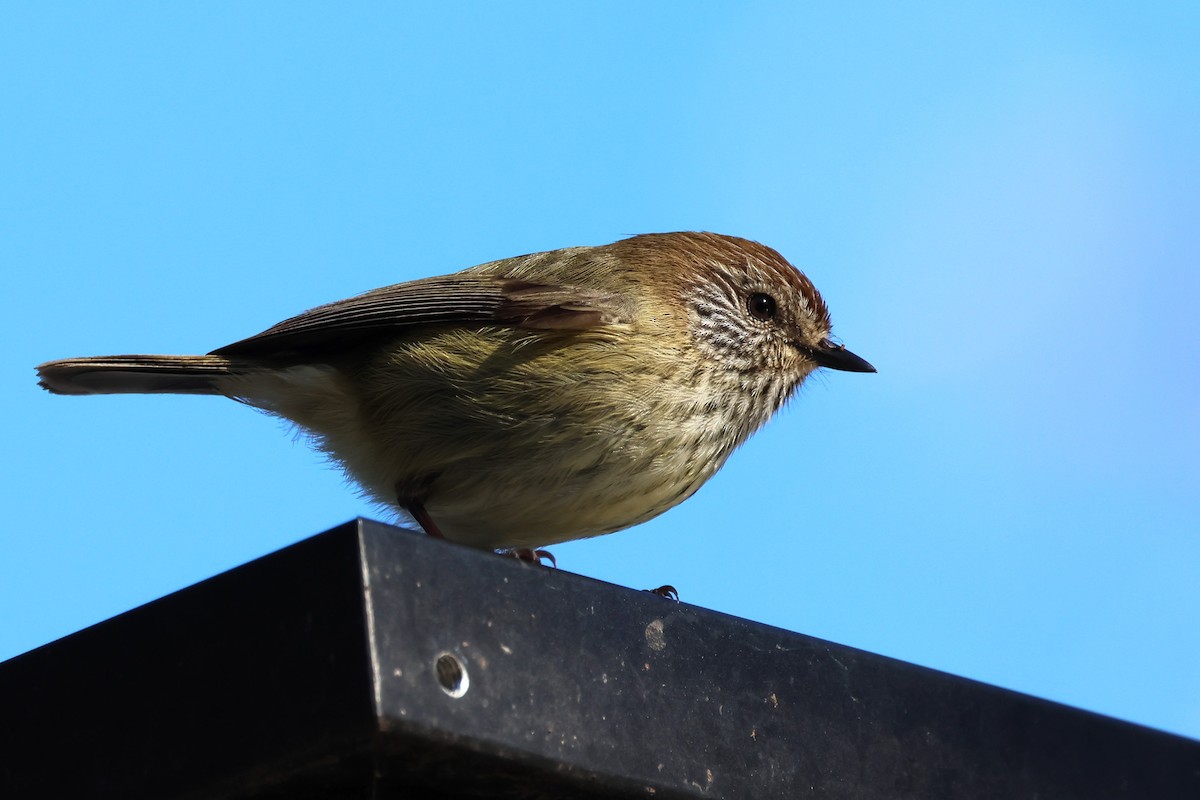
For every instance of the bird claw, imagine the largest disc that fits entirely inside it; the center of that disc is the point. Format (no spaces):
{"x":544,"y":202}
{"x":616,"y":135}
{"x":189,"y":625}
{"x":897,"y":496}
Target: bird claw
{"x":666,"y":591}
{"x":532,"y":556}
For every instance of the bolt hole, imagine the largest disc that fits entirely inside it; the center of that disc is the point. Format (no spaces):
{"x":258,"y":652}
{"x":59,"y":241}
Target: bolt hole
{"x":451,"y":675}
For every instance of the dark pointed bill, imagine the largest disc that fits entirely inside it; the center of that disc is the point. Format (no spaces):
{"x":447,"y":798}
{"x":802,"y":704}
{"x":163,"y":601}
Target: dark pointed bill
{"x":835,"y":356}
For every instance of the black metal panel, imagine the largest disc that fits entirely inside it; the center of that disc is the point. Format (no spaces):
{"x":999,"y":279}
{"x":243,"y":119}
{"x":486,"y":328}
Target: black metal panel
{"x":256,"y":672}
{"x":627,"y":689}
{"x":314,"y":673}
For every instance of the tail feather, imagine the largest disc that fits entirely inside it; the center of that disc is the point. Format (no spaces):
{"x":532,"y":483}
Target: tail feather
{"x":135,"y":374}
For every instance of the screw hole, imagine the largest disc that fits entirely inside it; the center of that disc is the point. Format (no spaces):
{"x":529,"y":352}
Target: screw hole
{"x":451,"y":675}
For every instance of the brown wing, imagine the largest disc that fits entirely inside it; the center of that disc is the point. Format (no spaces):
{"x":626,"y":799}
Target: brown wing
{"x":459,"y":299}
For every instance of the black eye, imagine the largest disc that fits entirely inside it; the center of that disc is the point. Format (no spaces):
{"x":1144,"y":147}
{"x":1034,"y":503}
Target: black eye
{"x":761,"y":306}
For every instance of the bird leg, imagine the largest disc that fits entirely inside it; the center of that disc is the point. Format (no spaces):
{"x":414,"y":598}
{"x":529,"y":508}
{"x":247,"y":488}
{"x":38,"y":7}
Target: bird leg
{"x":411,"y":496}
{"x":416,"y":509}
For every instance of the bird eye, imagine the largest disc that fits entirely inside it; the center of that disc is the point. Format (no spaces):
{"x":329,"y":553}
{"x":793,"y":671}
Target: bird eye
{"x":761,"y":306}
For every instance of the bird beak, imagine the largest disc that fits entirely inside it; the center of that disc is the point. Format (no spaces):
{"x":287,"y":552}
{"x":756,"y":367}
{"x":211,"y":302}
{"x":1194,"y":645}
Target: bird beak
{"x":835,"y":356}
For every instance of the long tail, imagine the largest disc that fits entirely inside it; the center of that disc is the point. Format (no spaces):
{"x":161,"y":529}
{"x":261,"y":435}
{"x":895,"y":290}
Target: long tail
{"x":135,"y":374}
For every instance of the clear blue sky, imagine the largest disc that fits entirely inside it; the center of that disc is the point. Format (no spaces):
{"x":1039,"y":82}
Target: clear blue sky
{"x":1001,"y":206}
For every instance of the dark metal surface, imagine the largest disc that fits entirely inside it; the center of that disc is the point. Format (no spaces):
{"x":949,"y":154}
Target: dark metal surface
{"x":369,"y":662}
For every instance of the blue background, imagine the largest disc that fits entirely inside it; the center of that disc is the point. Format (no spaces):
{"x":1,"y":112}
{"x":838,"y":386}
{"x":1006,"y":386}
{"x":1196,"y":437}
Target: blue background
{"x":1000,"y":204}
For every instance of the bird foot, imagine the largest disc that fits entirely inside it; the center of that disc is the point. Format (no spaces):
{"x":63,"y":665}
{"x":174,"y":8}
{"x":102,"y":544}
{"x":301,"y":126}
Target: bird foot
{"x":666,"y":591}
{"x":531,"y":556}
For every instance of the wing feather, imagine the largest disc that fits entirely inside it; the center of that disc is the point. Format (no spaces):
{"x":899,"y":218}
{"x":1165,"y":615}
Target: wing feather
{"x":460,"y":299}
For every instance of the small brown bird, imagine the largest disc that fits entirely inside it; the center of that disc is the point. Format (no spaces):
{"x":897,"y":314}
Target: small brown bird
{"x":532,"y":400}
